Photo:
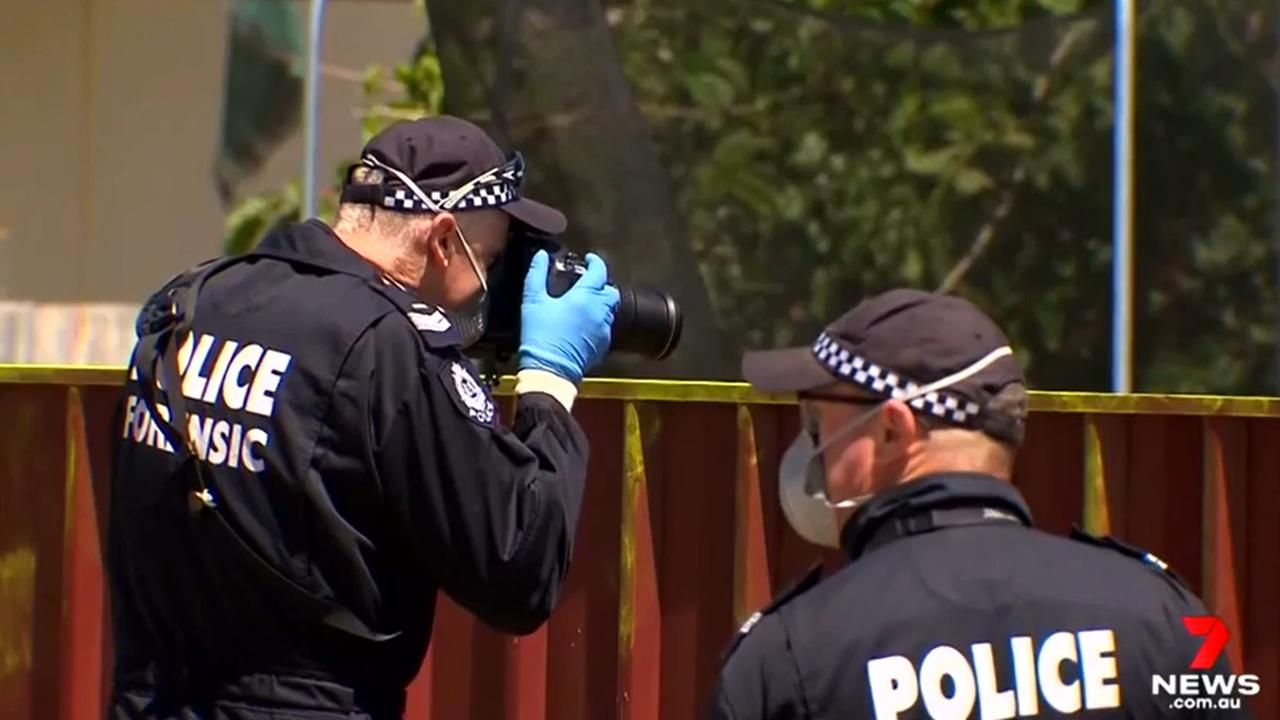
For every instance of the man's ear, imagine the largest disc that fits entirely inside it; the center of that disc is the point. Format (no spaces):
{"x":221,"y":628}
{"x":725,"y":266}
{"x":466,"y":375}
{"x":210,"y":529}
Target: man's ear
{"x":899,"y":424}
{"x":436,"y":238}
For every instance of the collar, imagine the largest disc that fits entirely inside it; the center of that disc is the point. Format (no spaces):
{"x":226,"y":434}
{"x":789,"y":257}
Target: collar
{"x":315,"y":243}
{"x":932,"y":502}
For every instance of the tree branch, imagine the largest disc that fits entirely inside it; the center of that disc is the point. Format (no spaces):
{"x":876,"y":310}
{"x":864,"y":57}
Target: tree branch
{"x":986,"y":233}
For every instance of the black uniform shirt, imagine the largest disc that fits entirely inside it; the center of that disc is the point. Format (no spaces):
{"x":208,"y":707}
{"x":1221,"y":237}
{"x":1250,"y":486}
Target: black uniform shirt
{"x":424,"y":497}
{"x":374,"y":473}
{"x":954,"y":607}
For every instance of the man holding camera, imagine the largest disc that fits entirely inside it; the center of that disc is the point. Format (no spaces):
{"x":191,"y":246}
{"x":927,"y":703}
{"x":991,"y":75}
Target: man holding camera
{"x":952,"y":605}
{"x":305,"y":456}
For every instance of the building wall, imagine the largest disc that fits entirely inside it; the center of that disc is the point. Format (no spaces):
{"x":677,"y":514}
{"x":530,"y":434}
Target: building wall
{"x":110,"y":114}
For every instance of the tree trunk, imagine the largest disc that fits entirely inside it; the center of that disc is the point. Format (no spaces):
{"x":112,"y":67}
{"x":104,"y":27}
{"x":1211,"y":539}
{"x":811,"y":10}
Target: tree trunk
{"x":543,"y":77}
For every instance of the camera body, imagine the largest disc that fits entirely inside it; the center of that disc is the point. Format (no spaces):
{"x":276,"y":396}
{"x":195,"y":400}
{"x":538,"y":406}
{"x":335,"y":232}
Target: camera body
{"x":646,"y":323}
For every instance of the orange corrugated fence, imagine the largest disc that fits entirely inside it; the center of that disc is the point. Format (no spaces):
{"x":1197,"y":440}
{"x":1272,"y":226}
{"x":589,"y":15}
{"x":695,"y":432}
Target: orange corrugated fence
{"x":680,"y":539}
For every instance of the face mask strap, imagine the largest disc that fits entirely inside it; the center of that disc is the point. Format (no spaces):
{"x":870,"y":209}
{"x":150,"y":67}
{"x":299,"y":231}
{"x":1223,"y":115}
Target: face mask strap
{"x":852,"y":502}
{"x":940,"y":384}
{"x":511,"y":173}
{"x":475,"y":266}
{"x":426,"y":199}
{"x":958,"y":376}
{"x":465,"y":190}
{"x":449,"y":202}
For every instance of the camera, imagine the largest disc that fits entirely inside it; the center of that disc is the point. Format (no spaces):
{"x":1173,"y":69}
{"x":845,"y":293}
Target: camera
{"x":647,"y":322}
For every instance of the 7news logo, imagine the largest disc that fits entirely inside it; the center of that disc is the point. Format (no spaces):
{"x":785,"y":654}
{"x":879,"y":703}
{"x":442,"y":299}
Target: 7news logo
{"x":1205,"y":690}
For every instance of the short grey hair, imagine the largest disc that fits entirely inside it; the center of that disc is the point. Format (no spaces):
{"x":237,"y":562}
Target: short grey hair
{"x":368,"y":218}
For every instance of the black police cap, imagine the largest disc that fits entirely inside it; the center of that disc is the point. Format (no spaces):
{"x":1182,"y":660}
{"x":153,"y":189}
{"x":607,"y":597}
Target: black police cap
{"x":442,"y":155}
{"x":898,"y":341}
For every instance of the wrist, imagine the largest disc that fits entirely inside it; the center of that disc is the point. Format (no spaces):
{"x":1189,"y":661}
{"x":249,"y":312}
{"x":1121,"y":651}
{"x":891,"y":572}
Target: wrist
{"x":535,"y":380}
{"x":534,"y":358}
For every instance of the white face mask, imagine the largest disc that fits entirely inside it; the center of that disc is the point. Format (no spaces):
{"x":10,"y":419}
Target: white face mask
{"x":802,"y":487}
{"x":802,"y":476}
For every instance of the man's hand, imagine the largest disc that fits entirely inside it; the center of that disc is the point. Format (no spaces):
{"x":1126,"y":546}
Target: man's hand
{"x":570,"y":334}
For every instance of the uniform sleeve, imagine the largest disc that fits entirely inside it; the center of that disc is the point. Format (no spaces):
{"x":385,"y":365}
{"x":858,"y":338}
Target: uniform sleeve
{"x":759,"y":680}
{"x":490,"y":513}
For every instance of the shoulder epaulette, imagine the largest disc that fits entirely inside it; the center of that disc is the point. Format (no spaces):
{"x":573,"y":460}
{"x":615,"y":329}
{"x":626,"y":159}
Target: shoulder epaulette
{"x":433,"y":325}
{"x":811,"y":578}
{"x":1147,"y":558}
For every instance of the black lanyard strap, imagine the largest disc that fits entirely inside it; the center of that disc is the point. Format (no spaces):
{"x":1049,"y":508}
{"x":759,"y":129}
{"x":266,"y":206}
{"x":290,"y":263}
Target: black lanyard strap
{"x":954,"y":517}
{"x":938,"y":519}
{"x":162,"y":327}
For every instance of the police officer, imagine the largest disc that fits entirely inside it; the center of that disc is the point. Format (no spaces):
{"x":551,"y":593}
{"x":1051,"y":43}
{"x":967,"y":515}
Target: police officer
{"x":306,"y":456}
{"x":952,"y":605}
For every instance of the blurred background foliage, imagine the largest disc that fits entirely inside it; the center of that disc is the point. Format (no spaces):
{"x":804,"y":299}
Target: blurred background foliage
{"x":409,"y":90}
{"x":771,"y":162}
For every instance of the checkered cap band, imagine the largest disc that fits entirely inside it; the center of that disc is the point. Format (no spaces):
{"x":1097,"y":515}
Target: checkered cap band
{"x":485,"y":196}
{"x":881,"y":381}
{"x":502,"y":188}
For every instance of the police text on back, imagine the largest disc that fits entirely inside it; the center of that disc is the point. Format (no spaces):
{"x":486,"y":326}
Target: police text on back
{"x":243,"y":378}
{"x":1071,"y":672}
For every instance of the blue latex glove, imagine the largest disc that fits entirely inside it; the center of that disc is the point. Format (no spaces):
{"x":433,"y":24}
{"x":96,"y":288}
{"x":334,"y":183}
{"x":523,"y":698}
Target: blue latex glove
{"x":570,"y":334}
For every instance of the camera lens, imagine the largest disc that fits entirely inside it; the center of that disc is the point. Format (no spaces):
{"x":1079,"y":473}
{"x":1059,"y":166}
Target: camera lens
{"x":647,"y":323}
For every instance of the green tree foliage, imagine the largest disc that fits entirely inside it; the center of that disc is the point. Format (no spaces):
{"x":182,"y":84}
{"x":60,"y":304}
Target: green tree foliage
{"x":816,"y":151}
{"x":825,"y":151}
{"x":1205,"y":217}
{"x":846,"y":154}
